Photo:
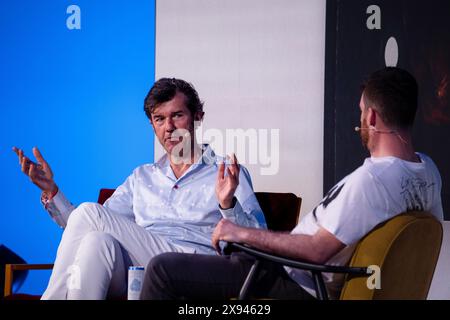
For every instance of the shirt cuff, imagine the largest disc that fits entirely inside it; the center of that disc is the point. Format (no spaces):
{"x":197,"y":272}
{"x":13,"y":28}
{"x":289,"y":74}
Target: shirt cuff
{"x":229,"y":213}
{"x":59,"y":208}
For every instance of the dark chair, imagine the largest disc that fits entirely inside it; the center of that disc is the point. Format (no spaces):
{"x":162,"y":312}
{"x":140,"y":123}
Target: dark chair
{"x":7,"y":256}
{"x":281,"y":210}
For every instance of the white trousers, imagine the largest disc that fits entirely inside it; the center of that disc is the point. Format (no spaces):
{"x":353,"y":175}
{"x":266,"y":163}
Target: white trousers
{"x":96,"y":249}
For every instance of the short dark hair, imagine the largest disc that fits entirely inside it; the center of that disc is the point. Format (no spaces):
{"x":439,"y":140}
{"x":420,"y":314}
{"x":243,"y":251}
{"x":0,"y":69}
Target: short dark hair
{"x":393,"y":93}
{"x":165,"y":90}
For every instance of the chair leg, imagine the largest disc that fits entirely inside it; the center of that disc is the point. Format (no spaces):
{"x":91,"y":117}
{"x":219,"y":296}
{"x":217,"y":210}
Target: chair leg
{"x":8,"y":279}
{"x":244,"y":293}
{"x":321,"y":289}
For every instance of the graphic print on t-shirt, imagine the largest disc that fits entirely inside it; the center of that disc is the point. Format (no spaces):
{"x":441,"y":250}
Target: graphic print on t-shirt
{"x":329,"y":197}
{"x":412,"y":188}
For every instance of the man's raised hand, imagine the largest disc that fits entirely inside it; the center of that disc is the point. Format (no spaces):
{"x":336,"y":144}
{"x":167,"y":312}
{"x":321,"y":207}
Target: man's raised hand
{"x":39,"y":173}
{"x":226,"y":185}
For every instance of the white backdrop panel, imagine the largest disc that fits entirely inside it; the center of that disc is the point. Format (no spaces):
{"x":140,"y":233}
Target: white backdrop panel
{"x":257,"y":65}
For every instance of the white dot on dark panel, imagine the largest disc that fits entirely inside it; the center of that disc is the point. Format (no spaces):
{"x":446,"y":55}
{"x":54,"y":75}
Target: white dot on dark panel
{"x":391,"y":52}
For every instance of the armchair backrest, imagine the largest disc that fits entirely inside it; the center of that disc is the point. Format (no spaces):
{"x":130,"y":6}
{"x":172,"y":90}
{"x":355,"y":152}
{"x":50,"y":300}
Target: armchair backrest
{"x":406,"y":248}
{"x":281,"y":210}
{"x":104,"y":195}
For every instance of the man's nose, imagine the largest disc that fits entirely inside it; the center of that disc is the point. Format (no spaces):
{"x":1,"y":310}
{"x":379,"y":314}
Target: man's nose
{"x":169,"y":125}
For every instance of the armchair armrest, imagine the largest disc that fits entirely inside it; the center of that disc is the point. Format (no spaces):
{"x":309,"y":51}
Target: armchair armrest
{"x":316,"y":269}
{"x":9,"y":273}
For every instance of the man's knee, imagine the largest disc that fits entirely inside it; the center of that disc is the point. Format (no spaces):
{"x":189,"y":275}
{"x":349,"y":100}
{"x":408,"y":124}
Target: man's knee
{"x":87,"y":212}
{"x":161,"y":261}
{"x":158,"y":282}
{"x":100,"y":244}
{"x":164,"y":264}
{"x":99,"y":239}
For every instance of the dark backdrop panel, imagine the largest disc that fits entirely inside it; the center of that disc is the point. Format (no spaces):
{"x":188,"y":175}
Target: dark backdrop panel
{"x":422,"y":32}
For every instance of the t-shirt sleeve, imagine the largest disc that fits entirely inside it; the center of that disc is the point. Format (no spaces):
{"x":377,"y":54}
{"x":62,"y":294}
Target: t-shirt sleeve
{"x":353,"y":208}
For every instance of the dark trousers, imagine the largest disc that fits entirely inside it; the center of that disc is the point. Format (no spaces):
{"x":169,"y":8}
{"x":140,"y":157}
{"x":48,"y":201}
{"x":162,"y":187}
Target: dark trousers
{"x":194,"y":276}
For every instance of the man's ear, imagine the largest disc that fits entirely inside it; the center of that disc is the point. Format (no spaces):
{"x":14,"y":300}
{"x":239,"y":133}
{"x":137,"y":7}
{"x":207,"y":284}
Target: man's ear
{"x":372,"y":117}
{"x":198,"y":116}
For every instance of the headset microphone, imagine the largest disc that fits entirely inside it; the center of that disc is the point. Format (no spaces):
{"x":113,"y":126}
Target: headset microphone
{"x":375,"y":129}
{"x":382,"y":131}
{"x":369,"y":128}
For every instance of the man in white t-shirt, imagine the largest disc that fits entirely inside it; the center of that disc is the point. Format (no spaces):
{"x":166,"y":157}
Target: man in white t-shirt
{"x":393,"y":180}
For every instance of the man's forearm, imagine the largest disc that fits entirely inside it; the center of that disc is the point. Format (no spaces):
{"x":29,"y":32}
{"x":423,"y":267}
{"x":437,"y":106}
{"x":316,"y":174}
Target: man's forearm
{"x":294,"y":246}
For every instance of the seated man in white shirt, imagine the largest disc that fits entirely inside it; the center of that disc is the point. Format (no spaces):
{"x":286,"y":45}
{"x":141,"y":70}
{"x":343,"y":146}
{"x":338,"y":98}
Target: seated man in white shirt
{"x":172,"y":205}
{"x":393,"y":180}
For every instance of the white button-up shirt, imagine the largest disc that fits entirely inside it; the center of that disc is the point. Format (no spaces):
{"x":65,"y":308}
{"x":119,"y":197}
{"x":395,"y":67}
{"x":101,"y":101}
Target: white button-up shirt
{"x":184,"y":210}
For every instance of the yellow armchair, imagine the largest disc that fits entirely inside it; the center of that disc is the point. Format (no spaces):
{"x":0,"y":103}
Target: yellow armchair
{"x":405,"y":248}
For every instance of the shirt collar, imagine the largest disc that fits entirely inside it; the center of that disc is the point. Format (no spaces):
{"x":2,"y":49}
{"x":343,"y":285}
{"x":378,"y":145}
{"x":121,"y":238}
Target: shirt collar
{"x":208,"y":158}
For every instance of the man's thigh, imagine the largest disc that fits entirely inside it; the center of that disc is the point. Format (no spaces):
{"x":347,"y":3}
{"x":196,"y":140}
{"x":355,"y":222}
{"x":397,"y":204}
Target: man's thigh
{"x":273,"y":282}
{"x":195,"y":276}
{"x":139,"y":244}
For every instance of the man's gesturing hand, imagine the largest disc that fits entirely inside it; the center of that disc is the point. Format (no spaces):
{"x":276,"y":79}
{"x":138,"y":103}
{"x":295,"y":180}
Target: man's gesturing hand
{"x":39,"y":173}
{"x":226,"y":185}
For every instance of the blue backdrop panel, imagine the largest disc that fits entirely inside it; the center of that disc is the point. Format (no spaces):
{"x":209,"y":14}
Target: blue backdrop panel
{"x":76,"y":94}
